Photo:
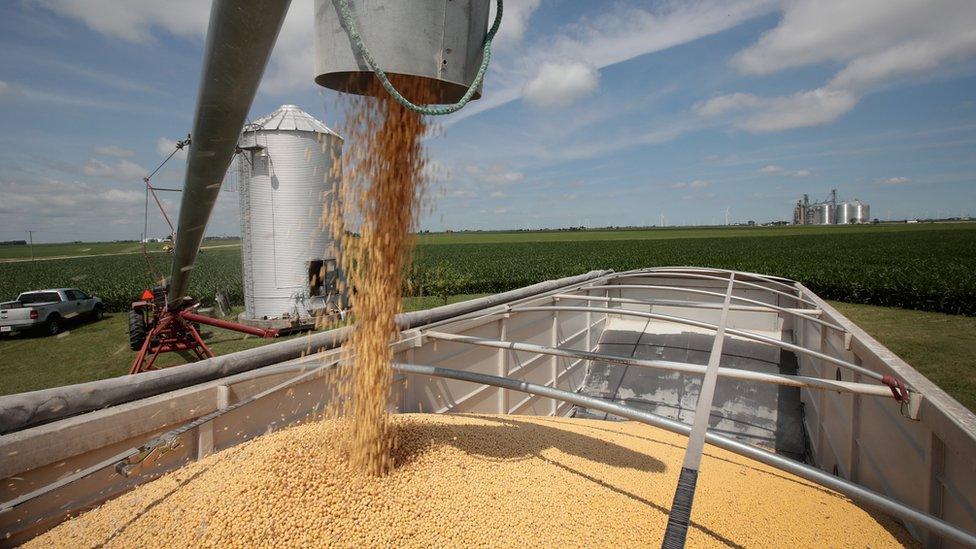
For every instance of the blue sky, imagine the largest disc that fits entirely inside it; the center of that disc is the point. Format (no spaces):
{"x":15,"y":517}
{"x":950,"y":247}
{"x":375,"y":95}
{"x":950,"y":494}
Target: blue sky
{"x":596,"y":113}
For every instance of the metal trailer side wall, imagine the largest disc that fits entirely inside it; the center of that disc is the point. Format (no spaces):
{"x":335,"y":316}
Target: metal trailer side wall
{"x":41,"y":455}
{"x":928,"y":464}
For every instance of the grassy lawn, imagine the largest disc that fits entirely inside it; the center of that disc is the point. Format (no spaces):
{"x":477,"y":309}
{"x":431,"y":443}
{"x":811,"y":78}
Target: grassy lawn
{"x":942,"y":347}
{"x":87,"y":351}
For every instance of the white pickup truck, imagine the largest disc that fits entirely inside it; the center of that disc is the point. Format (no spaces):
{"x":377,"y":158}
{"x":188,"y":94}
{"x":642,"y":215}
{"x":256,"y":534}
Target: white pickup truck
{"x":48,"y":309}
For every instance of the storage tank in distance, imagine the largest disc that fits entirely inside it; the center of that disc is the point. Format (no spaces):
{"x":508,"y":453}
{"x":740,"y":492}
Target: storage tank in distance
{"x":862,"y":211}
{"x":845,"y":213}
{"x":286,"y":184}
{"x":823,"y":213}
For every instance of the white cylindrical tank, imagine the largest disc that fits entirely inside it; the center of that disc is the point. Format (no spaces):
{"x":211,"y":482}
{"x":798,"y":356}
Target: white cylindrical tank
{"x":862,"y":212}
{"x":845,"y":213}
{"x":824,"y":213}
{"x":286,"y":184}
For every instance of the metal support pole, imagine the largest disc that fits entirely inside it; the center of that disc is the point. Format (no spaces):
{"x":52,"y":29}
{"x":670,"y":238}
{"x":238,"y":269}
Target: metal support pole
{"x":679,"y":517}
{"x":554,"y":361}
{"x":502,"y":365}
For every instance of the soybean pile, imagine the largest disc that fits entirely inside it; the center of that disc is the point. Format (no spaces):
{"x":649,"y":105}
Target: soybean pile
{"x":473,"y":481}
{"x":923,"y":267}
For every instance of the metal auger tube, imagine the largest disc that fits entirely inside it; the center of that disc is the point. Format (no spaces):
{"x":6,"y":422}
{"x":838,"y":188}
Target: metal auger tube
{"x":239,"y":42}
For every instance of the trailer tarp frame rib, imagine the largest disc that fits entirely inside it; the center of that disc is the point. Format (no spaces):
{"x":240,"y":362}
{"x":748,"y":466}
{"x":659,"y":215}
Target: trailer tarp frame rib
{"x":709,"y":277}
{"x":755,"y":276}
{"x":679,"y":320}
{"x":785,"y":310}
{"x":683,"y":367}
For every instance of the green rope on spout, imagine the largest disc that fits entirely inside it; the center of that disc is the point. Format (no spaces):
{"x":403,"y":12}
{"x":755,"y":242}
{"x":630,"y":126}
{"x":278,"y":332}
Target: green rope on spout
{"x":346,"y":16}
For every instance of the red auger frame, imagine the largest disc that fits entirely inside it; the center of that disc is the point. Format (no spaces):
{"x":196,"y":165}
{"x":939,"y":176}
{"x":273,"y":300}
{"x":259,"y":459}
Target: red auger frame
{"x":155,"y":328}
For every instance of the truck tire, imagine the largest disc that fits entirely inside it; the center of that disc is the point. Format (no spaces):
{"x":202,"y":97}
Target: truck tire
{"x":98,"y":312}
{"x":52,"y":326}
{"x":137,"y":330}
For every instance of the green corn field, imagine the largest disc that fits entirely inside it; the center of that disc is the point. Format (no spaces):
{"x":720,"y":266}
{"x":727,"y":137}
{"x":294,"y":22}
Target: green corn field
{"x":929,"y":269}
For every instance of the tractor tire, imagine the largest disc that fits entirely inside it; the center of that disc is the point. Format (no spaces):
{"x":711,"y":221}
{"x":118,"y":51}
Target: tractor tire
{"x":137,"y":330}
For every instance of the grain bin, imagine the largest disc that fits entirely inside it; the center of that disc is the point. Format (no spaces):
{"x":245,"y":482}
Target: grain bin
{"x":286,"y":183}
{"x":861,"y":211}
{"x":845,"y":213}
{"x":824,"y":213}
{"x":437,"y":42}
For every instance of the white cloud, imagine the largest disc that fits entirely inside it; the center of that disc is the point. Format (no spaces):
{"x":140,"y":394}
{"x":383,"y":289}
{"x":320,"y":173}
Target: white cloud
{"x":69,"y":210}
{"x":559,"y":85}
{"x":696,"y":184}
{"x":289,"y":70}
{"x":515,"y":19}
{"x":618,"y":34}
{"x":879,"y":42}
{"x":436,"y":171}
{"x":817,"y":31}
{"x":766,"y":114}
{"x":717,"y":106}
{"x":16,"y":92}
{"x":138,"y":20}
{"x":123,"y":170}
{"x":165,"y":147}
{"x":476,"y":180}
{"x":498,"y":174}
{"x":114,"y":150}
{"x":897,"y":181}
{"x":775,"y":169}
{"x":293,"y":59}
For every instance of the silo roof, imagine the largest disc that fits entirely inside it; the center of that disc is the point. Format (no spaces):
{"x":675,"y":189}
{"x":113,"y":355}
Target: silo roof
{"x":290,"y":117}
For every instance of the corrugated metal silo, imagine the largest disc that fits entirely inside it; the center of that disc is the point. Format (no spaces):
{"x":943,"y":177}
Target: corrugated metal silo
{"x":862,"y":211}
{"x":845,"y":213}
{"x":286,"y":183}
{"x":824,"y":213}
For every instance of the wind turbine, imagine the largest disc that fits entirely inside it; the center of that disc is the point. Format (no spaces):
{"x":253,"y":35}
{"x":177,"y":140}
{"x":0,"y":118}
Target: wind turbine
{"x":728,"y":216}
